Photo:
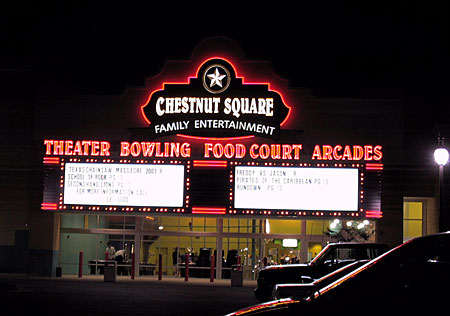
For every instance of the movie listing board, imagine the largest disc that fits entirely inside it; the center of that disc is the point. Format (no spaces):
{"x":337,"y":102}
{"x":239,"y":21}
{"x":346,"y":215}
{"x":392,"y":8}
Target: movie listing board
{"x":296,"y":188}
{"x":110,"y":184}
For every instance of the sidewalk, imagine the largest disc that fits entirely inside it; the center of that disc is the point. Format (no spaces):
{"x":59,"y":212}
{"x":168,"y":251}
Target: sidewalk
{"x":127,"y":279}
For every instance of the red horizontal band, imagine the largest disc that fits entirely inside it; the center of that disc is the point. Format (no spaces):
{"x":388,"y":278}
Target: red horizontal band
{"x":49,"y":206}
{"x":210,"y":163}
{"x":374,"y":166}
{"x":209,"y":210}
{"x":51,"y":160}
{"x":374,"y":214}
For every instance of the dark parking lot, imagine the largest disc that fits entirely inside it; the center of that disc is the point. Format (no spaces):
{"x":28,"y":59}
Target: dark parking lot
{"x":21,"y":295}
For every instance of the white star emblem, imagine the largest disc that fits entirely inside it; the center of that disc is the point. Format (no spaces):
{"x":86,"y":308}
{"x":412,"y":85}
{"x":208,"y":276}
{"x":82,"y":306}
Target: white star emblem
{"x":216,"y":78}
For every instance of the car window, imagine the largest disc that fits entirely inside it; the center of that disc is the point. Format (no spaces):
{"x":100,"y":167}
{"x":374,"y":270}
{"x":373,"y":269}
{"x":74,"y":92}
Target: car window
{"x":343,"y":254}
{"x":339,"y":255}
{"x":439,"y":253}
{"x":325,"y":255}
{"x":372,"y":253}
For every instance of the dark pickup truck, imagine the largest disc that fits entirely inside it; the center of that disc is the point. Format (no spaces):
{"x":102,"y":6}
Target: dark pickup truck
{"x":331,"y":258}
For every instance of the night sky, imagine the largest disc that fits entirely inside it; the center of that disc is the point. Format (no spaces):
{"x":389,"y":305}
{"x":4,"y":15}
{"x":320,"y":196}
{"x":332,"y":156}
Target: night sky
{"x":335,"y":48}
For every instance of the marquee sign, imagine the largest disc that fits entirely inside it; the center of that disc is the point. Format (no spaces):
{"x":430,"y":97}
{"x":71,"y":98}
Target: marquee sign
{"x":216,"y":102}
{"x":217,"y":150}
{"x":212,"y":178}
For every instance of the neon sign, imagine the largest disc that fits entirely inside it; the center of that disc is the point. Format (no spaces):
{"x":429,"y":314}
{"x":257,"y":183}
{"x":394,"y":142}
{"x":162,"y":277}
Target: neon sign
{"x":77,"y":148}
{"x":215,"y":150}
{"x":251,"y":179}
{"x":217,"y":103}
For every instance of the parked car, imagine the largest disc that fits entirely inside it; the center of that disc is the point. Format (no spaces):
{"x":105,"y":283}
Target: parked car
{"x":331,"y":258}
{"x":303,"y":290}
{"x":411,"y":279}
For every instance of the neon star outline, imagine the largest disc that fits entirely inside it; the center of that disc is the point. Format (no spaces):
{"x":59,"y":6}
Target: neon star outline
{"x":216,"y":78}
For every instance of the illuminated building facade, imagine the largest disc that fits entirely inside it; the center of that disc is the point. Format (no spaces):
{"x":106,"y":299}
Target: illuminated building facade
{"x":214,"y":155}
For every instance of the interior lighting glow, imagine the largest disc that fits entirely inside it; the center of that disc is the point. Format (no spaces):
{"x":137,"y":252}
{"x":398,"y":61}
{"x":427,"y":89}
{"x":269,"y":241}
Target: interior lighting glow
{"x":267,"y":227}
{"x":290,"y":243}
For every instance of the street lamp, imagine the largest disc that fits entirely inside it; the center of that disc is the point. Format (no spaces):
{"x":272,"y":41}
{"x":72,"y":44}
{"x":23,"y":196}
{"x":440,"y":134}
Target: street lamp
{"x":441,"y":157}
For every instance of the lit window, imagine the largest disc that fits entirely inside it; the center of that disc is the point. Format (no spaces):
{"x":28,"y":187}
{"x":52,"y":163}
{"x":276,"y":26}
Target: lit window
{"x":412,"y":220}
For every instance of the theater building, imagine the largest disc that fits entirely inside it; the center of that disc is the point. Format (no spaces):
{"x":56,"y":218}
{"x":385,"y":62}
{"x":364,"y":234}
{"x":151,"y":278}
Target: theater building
{"x":214,"y":155}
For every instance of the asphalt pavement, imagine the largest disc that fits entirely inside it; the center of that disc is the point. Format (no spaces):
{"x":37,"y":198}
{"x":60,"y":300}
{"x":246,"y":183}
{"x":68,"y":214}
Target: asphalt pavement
{"x":91,"y":295}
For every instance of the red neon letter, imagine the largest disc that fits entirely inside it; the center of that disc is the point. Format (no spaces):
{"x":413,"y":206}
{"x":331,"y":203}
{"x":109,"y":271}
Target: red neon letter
{"x":208,"y":149}
{"x":58,"y":147}
{"x":276,"y":151}
{"x":69,"y":147}
{"x":218,"y":150}
{"x":252,"y":151}
{"x":368,"y":150}
{"x":86,"y":144}
{"x":347,"y":153}
{"x":166,"y":149}
{"x":147,"y":148}
{"x":229,"y":151}
{"x":158,"y":154}
{"x":377,"y":153}
{"x":104,"y":148}
{"x":297,"y":149}
{"x":240,"y":151}
{"x":335,"y":152}
{"x":185,"y":150}
{"x":48,"y":144}
{"x":124,"y":149}
{"x":327,"y":151}
{"x":358,"y":152}
{"x":264,"y":151}
{"x":95,"y":148}
{"x":174,"y":149}
{"x":287,"y":149}
{"x":77,"y":149}
{"x":135,"y":149}
{"x":317,"y":154}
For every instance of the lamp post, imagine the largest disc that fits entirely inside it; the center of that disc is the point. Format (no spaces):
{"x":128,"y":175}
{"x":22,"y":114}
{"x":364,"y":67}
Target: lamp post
{"x":441,"y":157}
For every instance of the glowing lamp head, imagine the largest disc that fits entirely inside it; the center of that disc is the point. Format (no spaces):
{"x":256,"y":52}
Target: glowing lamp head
{"x":441,"y":156}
